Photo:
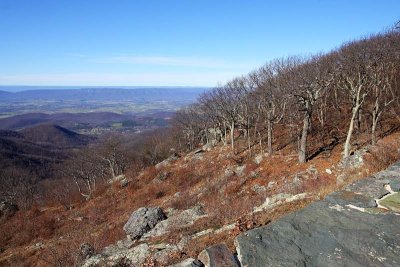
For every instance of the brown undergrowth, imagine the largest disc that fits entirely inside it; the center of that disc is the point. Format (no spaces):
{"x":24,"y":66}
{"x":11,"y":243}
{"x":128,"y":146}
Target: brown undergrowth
{"x":227,"y":186}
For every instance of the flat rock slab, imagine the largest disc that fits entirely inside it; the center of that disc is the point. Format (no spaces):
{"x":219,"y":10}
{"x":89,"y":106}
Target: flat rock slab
{"x":338,"y":231}
{"x":114,"y":256}
{"x":350,"y":198}
{"x":218,"y":256}
{"x":392,"y":202}
{"x":174,"y":222}
{"x":188,"y":263}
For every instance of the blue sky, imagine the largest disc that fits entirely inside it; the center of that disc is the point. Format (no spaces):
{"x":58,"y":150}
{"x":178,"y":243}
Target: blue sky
{"x":166,"y":42}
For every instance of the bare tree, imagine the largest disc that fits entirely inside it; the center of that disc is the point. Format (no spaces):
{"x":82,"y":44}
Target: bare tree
{"x":309,"y":82}
{"x":306,"y":96}
{"x":85,"y":171}
{"x":383,"y":73}
{"x":111,"y":153}
{"x":271,"y":96}
{"x":353,"y":78}
{"x":18,"y":186}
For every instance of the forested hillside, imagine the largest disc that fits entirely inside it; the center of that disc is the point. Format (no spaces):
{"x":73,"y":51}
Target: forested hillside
{"x":349,"y":95}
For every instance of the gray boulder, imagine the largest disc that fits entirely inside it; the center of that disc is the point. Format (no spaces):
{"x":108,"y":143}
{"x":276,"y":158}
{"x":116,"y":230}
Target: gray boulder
{"x":167,"y":161}
{"x":258,"y":159}
{"x":86,"y":250}
{"x":176,"y":221}
{"x":142,"y":221}
{"x":218,"y":256}
{"x":395,"y":185}
{"x":7,"y":209}
{"x":124,"y":183}
{"x":188,"y":263}
{"x":114,"y":256}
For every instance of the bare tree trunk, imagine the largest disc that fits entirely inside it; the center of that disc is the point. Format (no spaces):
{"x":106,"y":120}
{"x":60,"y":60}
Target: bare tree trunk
{"x":225,"y":138}
{"x":375,"y":119}
{"x":303,"y":139}
{"x":232,"y":135}
{"x":248,"y":135}
{"x":269,"y":129}
{"x":350,"y":132}
{"x":373,"y":130}
{"x":249,"y":139}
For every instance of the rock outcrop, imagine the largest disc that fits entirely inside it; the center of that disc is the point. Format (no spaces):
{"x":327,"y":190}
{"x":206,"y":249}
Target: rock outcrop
{"x":356,"y":226}
{"x":279,"y":199}
{"x":218,"y":256}
{"x":167,"y":161}
{"x":86,"y":250}
{"x":188,"y":263}
{"x":348,"y":228}
{"x":117,"y":256}
{"x":142,"y":221}
{"x":7,"y":209}
{"x":176,"y":221}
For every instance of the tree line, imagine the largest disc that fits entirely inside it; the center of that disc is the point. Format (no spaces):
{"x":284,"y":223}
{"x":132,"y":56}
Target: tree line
{"x":350,"y":95}
{"x":352,"y":89}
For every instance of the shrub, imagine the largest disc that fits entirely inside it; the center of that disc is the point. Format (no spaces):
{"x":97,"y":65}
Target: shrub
{"x":382,"y":156}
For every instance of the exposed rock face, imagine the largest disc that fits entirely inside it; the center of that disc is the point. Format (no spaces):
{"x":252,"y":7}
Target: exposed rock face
{"x":279,"y":199}
{"x":176,"y":221}
{"x":188,"y":263}
{"x":240,"y":169}
{"x":355,"y":161}
{"x":258,"y":159}
{"x":115,"y":256}
{"x":395,"y":185}
{"x":86,"y":250}
{"x":7,"y":209}
{"x":142,"y":221}
{"x":218,"y":256}
{"x":391,"y":202}
{"x":167,"y":161}
{"x":345,"y":229}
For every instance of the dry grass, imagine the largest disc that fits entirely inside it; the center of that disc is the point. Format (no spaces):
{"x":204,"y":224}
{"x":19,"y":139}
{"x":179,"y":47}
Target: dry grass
{"x":212,"y":182}
{"x":383,"y":155}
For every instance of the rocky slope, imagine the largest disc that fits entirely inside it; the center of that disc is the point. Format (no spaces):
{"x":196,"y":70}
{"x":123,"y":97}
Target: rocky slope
{"x":209,"y":197}
{"x":357,"y":226}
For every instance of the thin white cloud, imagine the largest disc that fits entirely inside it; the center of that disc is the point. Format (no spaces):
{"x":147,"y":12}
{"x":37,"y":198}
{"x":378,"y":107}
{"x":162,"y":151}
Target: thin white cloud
{"x":120,"y":79}
{"x":195,"y":62}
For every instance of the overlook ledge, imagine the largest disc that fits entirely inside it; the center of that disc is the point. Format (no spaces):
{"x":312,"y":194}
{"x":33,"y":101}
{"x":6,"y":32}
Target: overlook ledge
{"x":351,"y":227}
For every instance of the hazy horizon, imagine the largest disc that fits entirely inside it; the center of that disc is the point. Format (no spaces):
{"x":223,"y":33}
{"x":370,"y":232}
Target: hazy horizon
{"x":21,"y":88}
{"x":171,"y":43}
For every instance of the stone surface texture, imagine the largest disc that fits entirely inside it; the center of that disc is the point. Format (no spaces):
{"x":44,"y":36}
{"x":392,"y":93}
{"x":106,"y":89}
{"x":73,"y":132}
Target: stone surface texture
{"x":143,"y":220}
{"x":188,"y":263}
{"x":218,"y":256}
{"x":345,"y":229}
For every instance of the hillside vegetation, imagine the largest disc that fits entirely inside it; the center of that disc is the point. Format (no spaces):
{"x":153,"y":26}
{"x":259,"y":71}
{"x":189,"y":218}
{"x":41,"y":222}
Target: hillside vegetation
{"x":349,"y":95}
{"x":246,"y":153}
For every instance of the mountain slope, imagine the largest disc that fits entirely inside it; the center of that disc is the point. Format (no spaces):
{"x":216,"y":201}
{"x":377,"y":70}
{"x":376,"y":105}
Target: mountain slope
{"x":18,"y":153}
{"x":54,"y":135}
{"x":31,"y":119}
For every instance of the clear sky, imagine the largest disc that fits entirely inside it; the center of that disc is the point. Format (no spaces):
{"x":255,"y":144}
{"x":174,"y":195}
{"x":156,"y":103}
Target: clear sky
{"x":167,"y":42}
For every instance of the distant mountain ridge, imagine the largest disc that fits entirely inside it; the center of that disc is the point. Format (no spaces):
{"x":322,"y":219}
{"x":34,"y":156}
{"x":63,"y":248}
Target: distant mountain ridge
{"x":30,"y":119}
{"x":75,"y":121}
{"x":104,"y":94}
